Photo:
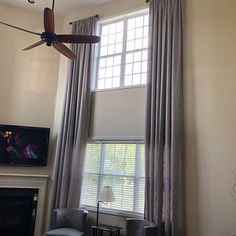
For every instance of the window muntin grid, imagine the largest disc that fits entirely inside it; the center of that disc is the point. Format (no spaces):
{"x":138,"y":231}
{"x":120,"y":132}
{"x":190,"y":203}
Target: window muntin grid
{"x":122,"y":59}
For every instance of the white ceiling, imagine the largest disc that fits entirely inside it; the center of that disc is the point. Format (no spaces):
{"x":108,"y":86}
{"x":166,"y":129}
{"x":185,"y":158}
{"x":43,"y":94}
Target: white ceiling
{"x":62,"y":7}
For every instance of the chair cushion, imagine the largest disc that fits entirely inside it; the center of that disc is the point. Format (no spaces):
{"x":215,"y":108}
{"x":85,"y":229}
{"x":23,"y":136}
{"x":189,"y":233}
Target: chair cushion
{"x":64,"y":232}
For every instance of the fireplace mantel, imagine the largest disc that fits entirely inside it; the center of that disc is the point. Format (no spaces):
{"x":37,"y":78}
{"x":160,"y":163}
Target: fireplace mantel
{"x":29,"y":181}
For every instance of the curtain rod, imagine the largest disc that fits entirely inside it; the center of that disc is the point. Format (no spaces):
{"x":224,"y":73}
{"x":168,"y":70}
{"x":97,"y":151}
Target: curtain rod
{"x":75,"y":21}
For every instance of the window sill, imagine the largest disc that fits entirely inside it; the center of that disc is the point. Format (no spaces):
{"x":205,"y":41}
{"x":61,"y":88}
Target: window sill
{"x":125,"y":214}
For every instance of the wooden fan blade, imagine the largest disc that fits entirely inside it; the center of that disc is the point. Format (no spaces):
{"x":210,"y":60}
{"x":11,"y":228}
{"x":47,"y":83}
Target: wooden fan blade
{"x":64,"y":50}
{"x":33,"y":45}
{"x":49,"y":21}
{"x":68,"y":38}
{"x":18,"y":28}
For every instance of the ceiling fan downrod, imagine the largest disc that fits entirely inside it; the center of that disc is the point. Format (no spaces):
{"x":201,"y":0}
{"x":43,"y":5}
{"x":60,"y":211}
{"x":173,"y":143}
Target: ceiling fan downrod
{"x":53,"y":3}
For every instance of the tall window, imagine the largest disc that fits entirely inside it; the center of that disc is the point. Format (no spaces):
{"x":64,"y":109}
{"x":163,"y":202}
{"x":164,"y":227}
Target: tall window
{"x":122,"y":59}
{"x":120,"y":165}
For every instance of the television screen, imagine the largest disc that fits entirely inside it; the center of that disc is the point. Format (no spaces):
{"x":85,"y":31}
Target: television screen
{"x":21,"y":145}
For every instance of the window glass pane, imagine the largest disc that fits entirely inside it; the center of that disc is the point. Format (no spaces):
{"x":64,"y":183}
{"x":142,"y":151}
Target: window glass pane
{"x":116,"y":71}
{"x":120,"y":166}
{"x":131,"y":23}
{"x":104,"y":40}
{"x":142,"y":159}
{"x":130,"y":45}
{"x":109,"y":162}
{"x":129,"y":69}
{"x":136,"y":79}
{"x":138,"y":56}
{"x":103,"y":51}
{"x":137,"y":67}
{"x":139,"y":21}
{"x":90,"y":189}
{"x":144,"y":66}
{"x":117,"y":60}
{"x":101,"y":84}
{"x":116,"y":82}
{"x":111,"y":38}
{"x":129,"y":58}
{"x":145,"y":42}
{"x":102,"y":62}
{"x":143,"y":78}
{"x":146,"y":20}
{"x":145,"y":31}
{"x":128,"y":80}
{"x":93,"y":153}
{"x":138,"y":43}
{"x":109,"y":72}
{"x":102,"y":73}
{"x":119,"y":37}
{"x":131,"y":34}
{"x":118,"y":48}
{"x":109,"y":61}
{"x":130,"y":154}
{"x":111,"y":49}
{"x":105,"y":30}
{"x":108,"y":83}
{"x":139,"y":33}
{"x":144,"y":55}
{"x":112,"y":28}
{"x":120,"y":26}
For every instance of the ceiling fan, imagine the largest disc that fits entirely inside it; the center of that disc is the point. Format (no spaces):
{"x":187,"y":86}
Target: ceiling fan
{"x":50,"y":38}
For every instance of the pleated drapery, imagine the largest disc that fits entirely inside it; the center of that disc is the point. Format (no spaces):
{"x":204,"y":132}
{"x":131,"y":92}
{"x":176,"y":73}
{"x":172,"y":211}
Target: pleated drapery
{"x":69,"y":162}
{"x":164,"y":195}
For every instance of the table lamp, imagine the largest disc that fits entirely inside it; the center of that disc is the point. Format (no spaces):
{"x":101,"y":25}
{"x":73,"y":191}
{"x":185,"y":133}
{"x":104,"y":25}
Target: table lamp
{"x":105,"y":196}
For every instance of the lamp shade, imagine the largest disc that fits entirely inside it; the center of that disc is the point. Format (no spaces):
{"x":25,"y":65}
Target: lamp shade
{"x":107,"y":194}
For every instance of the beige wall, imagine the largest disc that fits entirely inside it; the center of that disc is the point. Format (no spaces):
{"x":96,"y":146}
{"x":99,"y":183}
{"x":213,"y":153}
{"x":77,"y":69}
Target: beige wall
{"x":28,"y":80}
{"x":210,"y":85}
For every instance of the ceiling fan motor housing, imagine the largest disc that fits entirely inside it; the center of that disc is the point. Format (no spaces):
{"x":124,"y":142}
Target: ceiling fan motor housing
{"x":49,"y":38}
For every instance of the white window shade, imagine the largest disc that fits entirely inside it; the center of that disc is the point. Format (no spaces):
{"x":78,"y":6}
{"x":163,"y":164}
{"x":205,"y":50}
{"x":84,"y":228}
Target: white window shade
{"x":119,"y":114}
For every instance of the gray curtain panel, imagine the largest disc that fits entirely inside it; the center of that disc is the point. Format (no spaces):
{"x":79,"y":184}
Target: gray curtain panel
{"x":164,"y":195}
{"x":74,"y":132}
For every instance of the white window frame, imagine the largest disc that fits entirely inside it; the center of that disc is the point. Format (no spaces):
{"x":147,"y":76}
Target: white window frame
{"x":111,"y":211}
{"x":123,"y":53}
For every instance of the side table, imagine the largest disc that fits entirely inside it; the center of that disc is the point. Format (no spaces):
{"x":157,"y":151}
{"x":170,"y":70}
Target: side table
{"x":113,"y":230}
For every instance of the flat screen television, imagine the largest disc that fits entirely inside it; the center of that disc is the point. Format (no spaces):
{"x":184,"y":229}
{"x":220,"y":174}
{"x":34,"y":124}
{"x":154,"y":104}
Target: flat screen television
{"x":23,"y":146}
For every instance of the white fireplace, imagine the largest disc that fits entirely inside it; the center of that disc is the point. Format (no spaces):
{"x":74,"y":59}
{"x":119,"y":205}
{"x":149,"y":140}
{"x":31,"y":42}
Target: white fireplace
{"x":33,"y":182}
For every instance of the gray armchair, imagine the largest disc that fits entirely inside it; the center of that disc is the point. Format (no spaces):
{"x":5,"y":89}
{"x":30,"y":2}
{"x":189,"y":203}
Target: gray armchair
{"x":140,"y":227}
{"x":68,"y":222}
